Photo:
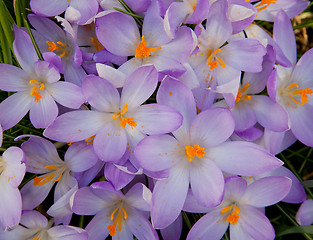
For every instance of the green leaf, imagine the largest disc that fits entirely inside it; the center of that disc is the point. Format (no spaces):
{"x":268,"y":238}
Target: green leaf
{"x":5,"y":48}
{"x":20,"y":10}
{"x":299,"y":229}
{"x":6,"y":22}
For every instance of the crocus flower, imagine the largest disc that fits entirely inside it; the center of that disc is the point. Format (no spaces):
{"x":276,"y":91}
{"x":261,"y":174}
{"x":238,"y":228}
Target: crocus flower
{"x":37,"y":85}
{"x":79,"y":11}
{"x":293,"y":87}
{"x":117,"y":215}
{"x":116,"y":122}
{"x":35,"y":226}
{"x":239,"y":210}
{"x":305,"y":213}
{"x":42,"y":158}
{"x":196,"y":154}
{"x":12,"y":171}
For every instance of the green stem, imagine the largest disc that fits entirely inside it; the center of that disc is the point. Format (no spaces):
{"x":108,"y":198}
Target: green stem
{"x":128,"y":9}
{"x":81,"y":221}
{"x":297,"y":175}
{"x":292,"y":220}
{"x":29,"y":129}
{"x":5,"y":48}
{"x":305,"y":160}
{"x":186,"y":220}
{"x":129,"y":13}
{"x":33,"y":39}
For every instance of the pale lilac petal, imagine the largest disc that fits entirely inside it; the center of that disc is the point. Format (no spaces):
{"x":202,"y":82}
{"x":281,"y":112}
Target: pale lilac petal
{"x":157,"y":153}
{"x":271,"y":85}
{"x":15,"y":108}
{"x":97,"y":227}
{"x":235,"y":187}
{"x":207,"y":182}
{"x":157,"y":119}
{"x":118,"y":33}
{"x":169,"y":195}
{"x":80,"y":157}
{"x":140,"y":226}
{"x":10,"y":205}
{"x":255,"y":223}
{"x":139,"y":196}
{"x":189,"y":78}
{"x":67,"y":94}
{"x":305,"y":213}
{"x":86,"y":202}
{"x":11,"y":78}
{"x":139,"y":86}
{"x":87,"y":9}
{"x":192,"y":205}
{"x":301,"y":123}
{"x":218,"y":25}
{"x":173,"y":231}
{"x":237,"y":232}
{"x":276,"y":121}
{"x":76,"y":126}
{"x":51,"y":8}
{"x":101,"y":94}
{"x":118,"y":177}
{"x":243,"y":158}
{"x":212,"y":127}
{"x":110,"y":143}
{"x":74,"y":74}
{"x":66,"y":183}
{"x":46,"y":70}
{"x":251,"y":134}
{"x":175,"y":94}
{"x":244,"y":116}
{"x":24,"y":50}
{"x":209,"y":226}
{"x":43,"y":113}
{"x":303,"y":72}
{"x":33,"y":219}
{"x":34,"y":195}
{"x":266,"y":191}
{"x":114,"y":76}
{"x":285,"y":37}
{"x":246,"y":55}
{"x":14,"y":170}
{"x":200,"y":12}
{"x":67,"y":233}
{"x":174,"y":17}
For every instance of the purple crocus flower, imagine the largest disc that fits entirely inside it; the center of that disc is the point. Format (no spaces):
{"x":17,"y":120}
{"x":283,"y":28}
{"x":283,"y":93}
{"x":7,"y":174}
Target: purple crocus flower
{"x":118,"y":215}
{"x":12,"y":171}
{"x":116,"y":122}
{"x":35,"y":226}
{"x":79,"y":11}
{"x":196,"y":154}
{"x":293,"y":87}
{"x":239,"y":210}
{"x":37,"y":85}
{"x":42,"y":158}
{"x":305,"y":213}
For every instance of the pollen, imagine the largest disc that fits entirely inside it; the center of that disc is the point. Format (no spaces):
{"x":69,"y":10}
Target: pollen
{"x":142,"y":51}
{"x":264,"y":4}
{"x":232,"y":214}
{"x":241,"y":93}
{"x":59,"y":48}
{"x":214,"y":61}
{"x":37,"y":86}
{"x":196,"y":150}
{"x":118,"y":220}
{"x":42,"y":180}
{"x":124,"y":121}
{"x":299,"y":96}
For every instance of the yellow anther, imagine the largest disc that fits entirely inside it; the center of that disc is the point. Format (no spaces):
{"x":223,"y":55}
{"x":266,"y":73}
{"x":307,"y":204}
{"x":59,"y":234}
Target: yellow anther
{"x":241,"y":93}
{"x":264,"y":4}
{"x":97,"y":45}
{"x":142,"y":51}
{"x":233,"y":216}
{"x":303,"y":93}
{"x":130,"y":121}
{"x":213,"y":61}
{"x":196,"y":150}
{"x":42,"y":180}
{"x":121,"y":214}
{"x":35,"y":89}
{"x":59,"y":47}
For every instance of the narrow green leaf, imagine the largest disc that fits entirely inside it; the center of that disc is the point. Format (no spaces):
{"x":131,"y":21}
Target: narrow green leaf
{"x":129,"y":13}
{"x":129,"y":10}
{"x":299,"y":229}
{"x":5,"y":48}
{"x":6,"y":22}
{"x":308,"y":183}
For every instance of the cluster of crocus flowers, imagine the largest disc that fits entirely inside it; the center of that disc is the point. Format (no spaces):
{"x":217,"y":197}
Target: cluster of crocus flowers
{"x":157,"y":108}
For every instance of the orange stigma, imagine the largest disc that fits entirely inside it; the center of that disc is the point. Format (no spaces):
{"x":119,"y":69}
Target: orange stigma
{"x":196,"y":150}
{"x":298,"y":93}
{"x":241,"y":93}
{"x":124,"y":121}
{"x":264,"y":4}
{"x":42,"y":180}
{"x":35,"y":90}
{"x":142,"y":51}
{"x":213,"y":61}
{"x":232,"y":214}
{"x":59,"y":48}
{"x":96,"y":44}
{"x":118,"y":221}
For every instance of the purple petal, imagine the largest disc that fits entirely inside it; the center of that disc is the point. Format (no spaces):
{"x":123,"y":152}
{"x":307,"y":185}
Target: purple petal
{"x":110,"y":143}
{"x":118,"y":33}
{"x":86,"y":10}
{"x":139,"y":196}
{"x":76,"y":126}
{"x":46,"y":70}
{"x":24,"y":50}
{"x":212,"y":127}
{"x":15,"y":108}
{"x":173,"y":231}
{"x":74,"y":74}
{"x":157,"y":153}
{"x":267,"y":191}
{"x":114,"y":76}
{"x":51,"y":8}
{"x":169,"y":195}
{"x":117,"y":177}
{"x":101,"y":94}
{"x":207,"y":183}
{"x":157,"y":119}
{"x":139,"y":86}
{"x":68,"y":233}
{"x":174,"y":17}
{"x":11,"y":78}
{"x":244,"y":116}
{"x":235,"y":187}
{"x":97,"y":227}
{"x":305,"y":213}
{"x":67,"y":94}
{"x":303,"y":72}
{"x":209,"y":226}
{"x":33,"y":219}
{"x":44,"y":112}
{"x":243,"y":158}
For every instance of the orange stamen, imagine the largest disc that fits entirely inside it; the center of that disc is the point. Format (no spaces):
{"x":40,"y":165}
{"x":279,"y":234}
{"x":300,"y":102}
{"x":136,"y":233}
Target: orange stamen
{"x":142,"y":51}
{"x":214,"y":61}
{"x":35,"y":90}
{"x":241,"y":94}
{"x":264,"y":4}
{"x":233,"y":217}
{"x":196,"y":150}
{"x":302,"y":92}
{"x":121,"y":213}
{"x":130,"y":121}
{"x":98,"y":46}
{"x":57,"y":47}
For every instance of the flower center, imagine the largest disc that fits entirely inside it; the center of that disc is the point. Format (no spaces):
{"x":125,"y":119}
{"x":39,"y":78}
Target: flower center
{"x":42,"y":180}
{"x":37,"y":86}
{"x":59,"y":48}
{"x":264,"y":4}
{"x":130,"y":121}
{"x":231,"y":214}
{"x":214,"y":61}
{"x":241,"y":93}
{"x":118,"y":220}
{"x":293,"y":96}
{"x":142,"y":51}
{"x":196,"y":150}
{"x":96,"y":44}
{"x":90,"y":140}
